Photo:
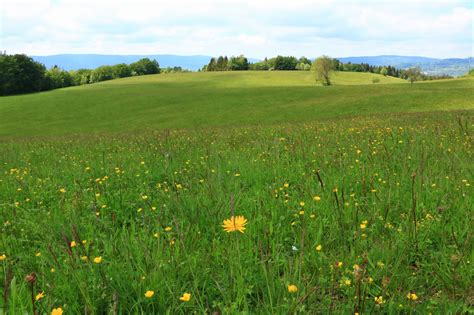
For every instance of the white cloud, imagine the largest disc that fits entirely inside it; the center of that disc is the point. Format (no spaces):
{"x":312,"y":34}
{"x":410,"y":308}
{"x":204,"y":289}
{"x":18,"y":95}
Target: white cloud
{"x":256,"y":28}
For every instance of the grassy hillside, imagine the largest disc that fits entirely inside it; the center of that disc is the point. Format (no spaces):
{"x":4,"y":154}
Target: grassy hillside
{"x":193,"y":100}
{"x":348,"y":209}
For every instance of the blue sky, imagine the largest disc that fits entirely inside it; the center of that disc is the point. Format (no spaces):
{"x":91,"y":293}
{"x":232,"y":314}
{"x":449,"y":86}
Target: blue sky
{"x":251,"y":27}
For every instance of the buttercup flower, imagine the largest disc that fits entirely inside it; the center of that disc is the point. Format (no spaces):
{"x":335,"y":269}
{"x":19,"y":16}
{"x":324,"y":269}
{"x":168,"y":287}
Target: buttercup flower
{"x":186,"y":297}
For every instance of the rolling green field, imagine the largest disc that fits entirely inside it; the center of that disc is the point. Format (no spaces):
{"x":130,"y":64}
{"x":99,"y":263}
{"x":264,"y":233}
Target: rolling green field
{"x":357,"y":197}
{"x":197,"y":100}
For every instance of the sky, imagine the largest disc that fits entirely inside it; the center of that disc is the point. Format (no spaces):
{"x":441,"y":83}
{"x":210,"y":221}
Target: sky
{"x":255,"y":28}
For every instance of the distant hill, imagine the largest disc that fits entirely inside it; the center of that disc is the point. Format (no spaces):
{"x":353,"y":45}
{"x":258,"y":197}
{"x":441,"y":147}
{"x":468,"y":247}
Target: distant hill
{"x":451,"y":66}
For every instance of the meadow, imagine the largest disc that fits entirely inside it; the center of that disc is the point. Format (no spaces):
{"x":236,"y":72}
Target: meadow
{"x":355,"y":198}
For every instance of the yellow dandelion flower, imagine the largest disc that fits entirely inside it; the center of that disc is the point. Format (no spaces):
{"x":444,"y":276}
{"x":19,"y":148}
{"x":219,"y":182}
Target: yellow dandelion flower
{"x":412,"y":296}
{"x":38,"y":254}
{"x":98,"y":260}
{"x":186,"y":297}
{"x":301,"y":212}
{"x":53,"y":270}
{"x":149,"y":294}
{"x":62,"y":190}
{"x":73,"y":244}
{"x":379,"y":300}
{"x":57,"y":311}
{"x":286,"y":185}
{"x":292,"y":288}
{"x":347,"y":282}
{"x":39,"y":296}
{"x":363,"y":226}
{"x":339,"y":264}
{"x":235,"y":224}
{"x":317,"y":198}
{"x":168,"y":228}
{"x":3,"y":257}
{"x":319,"y":248}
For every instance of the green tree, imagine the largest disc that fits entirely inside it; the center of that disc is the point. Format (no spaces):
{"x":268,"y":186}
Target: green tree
{"x":58,"y":78}
{"x":384,"y":71}
{"x":285,"y":63}
{"x":102,"y":73}
{"x":21,"y":74}
{"x":413,"y":74}
{"x":212,"y":65}
{"x":238,"y":63}
{"x":145,"y":66}
{"x":122,"y":70}
{"x":323,"y":67}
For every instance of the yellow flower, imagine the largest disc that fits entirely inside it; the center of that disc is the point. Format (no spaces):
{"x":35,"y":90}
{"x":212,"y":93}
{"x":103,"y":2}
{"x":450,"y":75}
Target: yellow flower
{"x":168,"y":228}
{"x":53,"y":270}
{"x":286,"y":185}
{"x":363,"y":226}
{"x":39,"y":296}
{"x":292,"y":288}
{"x":149,"y":294}
{"x":339,"y":264}
{"x":38,"y":254}
{"x":317,"y":198}
{"x":57,"y":311}
{"x":302,"y":203}
{"x":412,"y":296}
{"x":319,"y":247}
{"x":186,"y":297}
{"x":73,"y":244}
{"x":235,"y":224}
{"x":347,"y":282}
{"x":62,"y":190}
{"x":379,"y":300}
{"x":3,"y":257}
{"x":98,"y":260}
{"x":84,"y":258}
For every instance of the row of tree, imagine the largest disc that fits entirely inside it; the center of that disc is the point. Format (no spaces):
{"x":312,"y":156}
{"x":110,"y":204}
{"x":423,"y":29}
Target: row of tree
{"x":21,"y":74}
{"x":223,"y":63}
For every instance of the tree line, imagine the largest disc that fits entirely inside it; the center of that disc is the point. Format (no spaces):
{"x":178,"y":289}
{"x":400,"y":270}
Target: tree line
{"x":21,"y":74}
{"x":223,"y":63}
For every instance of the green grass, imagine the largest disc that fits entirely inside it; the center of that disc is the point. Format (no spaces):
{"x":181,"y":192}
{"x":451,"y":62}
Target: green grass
{"x":195,"y":100}
{"x":394,"y":197}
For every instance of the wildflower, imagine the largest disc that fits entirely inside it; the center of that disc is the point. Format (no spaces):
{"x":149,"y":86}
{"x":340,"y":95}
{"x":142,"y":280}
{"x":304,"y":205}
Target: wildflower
{"x":347,"y":282}
{"x":363,"y":225}
{"x":235,"y":224}
{"x":186,"y":297}
{"x":379,"y":300}
{"x":339,"y":264}
{"x":38,"y":254}
{"x":3,"y":257}
{"x":149,"y":294}
{"x":292,"y":288}
{"x":168,"y":228}
{"x":301,"y":212}
{"x":412,"y":296}
{"x":156,"y":235}
{"x":39,"y":296}
{"x":98,"y":260}
{"x":286,"y":185}
{"x":237,"y":174}
{"x":57,"y":311}
{"x":294,"y":248}
{"x":319,"y":248}
{"x":84,"y":258}
{"x":84,"y":242}
{"x":302,"y":203}
{"x":73,"y":244}
{"x":62,"y":190}
{"x":53,"y":270}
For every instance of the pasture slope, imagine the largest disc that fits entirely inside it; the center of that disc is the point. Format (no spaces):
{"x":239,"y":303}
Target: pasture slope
{"x":196,"y":100}
{"x":357,"y":198}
